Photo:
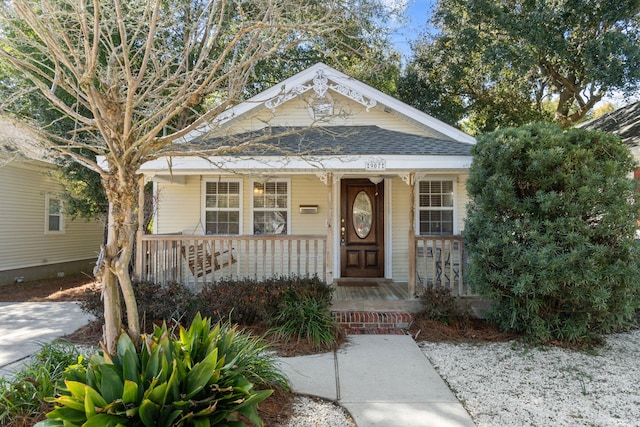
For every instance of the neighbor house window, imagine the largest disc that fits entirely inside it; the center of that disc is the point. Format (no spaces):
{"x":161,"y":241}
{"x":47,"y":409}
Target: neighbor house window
{"x":435,"y":207}
{"x":222,"y":207}
{"x":54,"y":221}
{"x":270,"y":207}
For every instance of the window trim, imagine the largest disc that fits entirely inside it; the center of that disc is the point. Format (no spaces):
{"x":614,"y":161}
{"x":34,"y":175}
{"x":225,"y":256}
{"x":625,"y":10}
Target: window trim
{"x":288,"y":209}
{"x":454,"y":208}
{"x":205,"y":209}
{"x":47,"y":205}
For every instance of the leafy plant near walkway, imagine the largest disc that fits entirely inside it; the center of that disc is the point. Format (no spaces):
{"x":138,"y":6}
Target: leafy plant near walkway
{"x":304,"y":317}
{"x":202,"y":377}
{"x":23,"y":398}
{"x":550,"y":231}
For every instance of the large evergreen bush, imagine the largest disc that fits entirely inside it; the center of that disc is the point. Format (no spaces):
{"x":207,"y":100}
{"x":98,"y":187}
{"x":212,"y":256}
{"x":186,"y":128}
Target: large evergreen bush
{"x":550,"y":231}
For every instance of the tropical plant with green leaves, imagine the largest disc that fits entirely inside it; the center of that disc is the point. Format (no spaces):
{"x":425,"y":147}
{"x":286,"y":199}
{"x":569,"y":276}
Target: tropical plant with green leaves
{"x":304,"y":316}
{"x":202,"y":377}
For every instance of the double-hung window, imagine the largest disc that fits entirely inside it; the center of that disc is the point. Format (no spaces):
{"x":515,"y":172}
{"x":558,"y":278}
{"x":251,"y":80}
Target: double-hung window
{"x":435,"y":207}
{"x":271,"y":207}
{"x":54,"y":220}
{"x":222,"y":206}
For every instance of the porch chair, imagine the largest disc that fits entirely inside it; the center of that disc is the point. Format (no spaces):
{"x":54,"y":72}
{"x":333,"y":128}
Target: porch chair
{"x":201,"y":262}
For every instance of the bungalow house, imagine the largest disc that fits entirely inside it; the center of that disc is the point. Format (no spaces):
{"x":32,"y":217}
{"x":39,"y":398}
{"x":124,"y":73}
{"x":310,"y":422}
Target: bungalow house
{"x":333,"y":178}
{"x":37,"y":239}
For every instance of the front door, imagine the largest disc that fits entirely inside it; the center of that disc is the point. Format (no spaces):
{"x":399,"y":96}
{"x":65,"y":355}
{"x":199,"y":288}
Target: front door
{"x":362,"y":228}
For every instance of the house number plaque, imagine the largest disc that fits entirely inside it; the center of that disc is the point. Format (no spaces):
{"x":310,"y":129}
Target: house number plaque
{"x":375,"y":165}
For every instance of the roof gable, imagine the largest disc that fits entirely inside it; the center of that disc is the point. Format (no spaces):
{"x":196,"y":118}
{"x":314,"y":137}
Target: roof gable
{"x":320,"y":79}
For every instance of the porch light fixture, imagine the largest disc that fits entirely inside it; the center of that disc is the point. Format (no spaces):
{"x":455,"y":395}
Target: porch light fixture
{"x":376,"y":179}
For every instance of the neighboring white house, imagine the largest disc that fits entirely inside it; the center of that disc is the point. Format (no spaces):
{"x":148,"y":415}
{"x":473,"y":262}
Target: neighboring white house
{"x":345,"y":182}
{"x":37,"y":239}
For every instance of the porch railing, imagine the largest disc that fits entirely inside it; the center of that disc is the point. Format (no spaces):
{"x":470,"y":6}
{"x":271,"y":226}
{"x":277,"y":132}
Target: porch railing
{"x":198,"y":260}
{"x":441,"y":260}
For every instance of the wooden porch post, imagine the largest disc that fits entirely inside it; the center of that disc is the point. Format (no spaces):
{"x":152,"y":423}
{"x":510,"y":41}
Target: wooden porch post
{"x":412,"y":235}
{"x":329,"y":248}
{"x":138,"y":266}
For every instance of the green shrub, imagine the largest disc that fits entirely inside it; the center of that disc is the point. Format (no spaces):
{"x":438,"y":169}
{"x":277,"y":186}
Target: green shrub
{"x":252,"y":302}
{"x":550,"y":231}
{"x":438,"y":304}
{"x":241,"y":301}
{"x":302,"y":315}
{"x":200,"y":378}
{"x":172,"y":303}
{"x":23,"y":398}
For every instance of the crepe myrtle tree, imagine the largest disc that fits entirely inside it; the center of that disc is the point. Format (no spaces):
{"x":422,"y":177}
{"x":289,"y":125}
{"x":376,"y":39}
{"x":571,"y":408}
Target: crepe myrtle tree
{"x":133,"y":77}
{"x":551,"y":229}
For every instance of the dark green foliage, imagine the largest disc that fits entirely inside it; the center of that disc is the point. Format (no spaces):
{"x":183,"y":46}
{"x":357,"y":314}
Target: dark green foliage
{"x":550,"y":231}
{"x":304,"y":316}
{"x":251,"y":302}
{"x":489,"y":64}
{"x":438,"y":304}
{"x":202,"y":377}
{"x":172,"y":303}
{"x":23,"y":399}
{"x":245,"y":301}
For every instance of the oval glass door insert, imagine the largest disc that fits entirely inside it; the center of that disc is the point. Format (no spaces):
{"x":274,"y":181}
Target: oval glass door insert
{"x":362,"y":214}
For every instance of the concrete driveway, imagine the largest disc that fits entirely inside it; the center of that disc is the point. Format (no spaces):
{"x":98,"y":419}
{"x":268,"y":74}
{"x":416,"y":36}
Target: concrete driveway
{"x":25,"y":326}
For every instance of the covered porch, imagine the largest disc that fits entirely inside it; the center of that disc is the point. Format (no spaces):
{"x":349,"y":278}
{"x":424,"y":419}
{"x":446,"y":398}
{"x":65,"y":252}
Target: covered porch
{"x":196,"y":261}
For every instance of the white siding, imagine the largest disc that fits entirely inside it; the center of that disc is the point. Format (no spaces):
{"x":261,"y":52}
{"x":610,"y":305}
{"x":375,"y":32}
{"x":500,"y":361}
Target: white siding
{"x":347,"y":113}
{"x":308,"y":190}
{"x":461,"y":201}
{"x":400,"y":205}
{"x":180,"y":206}
{"x":23,"y":242}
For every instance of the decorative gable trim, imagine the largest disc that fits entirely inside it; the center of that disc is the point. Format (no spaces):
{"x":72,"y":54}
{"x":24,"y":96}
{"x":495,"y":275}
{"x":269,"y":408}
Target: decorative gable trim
{"x":341,"y":83}
{"x":320,"y":86}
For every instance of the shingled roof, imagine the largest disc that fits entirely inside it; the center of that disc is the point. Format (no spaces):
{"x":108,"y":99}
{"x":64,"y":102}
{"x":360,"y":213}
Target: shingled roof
{"x":624,"y":122}
{"x":338,"y":140}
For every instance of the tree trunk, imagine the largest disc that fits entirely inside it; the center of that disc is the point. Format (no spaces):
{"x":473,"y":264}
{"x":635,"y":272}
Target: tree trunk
{"x":122,"y":191}
{"x":112,"y":311}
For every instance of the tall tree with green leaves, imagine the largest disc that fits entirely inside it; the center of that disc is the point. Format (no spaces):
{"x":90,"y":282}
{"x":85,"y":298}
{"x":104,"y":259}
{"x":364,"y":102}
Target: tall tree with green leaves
{"x":132,"y":78}
{"x":497,"y":63}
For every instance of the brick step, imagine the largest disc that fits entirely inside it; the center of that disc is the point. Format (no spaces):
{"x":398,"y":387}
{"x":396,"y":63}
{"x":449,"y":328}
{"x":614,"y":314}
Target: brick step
{"x":373,"y":322}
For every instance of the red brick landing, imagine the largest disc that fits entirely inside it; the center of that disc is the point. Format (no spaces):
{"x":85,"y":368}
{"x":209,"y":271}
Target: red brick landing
{"x":373,"y":322}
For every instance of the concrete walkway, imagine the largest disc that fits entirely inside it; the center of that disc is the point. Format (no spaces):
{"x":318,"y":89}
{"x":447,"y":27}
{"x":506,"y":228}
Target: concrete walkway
{"x":25,"y":326}
{"x":382,"y":380}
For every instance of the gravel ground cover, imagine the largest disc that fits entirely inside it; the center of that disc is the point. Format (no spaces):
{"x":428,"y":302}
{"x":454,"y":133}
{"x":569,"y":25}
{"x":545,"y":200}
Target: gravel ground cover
{"x":318,"y":413}
{"x":507,"y":384}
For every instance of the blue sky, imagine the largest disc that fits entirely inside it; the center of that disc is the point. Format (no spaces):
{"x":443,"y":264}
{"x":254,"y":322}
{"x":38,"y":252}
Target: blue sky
{"x":417,"y":13}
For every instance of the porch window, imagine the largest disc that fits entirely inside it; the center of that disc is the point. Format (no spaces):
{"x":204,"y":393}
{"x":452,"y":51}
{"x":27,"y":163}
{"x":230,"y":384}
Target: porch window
{"x":435,"y":207}
{"x":222,"y":207}
{"x":270,"y":207}
{"x":53,"y":216}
